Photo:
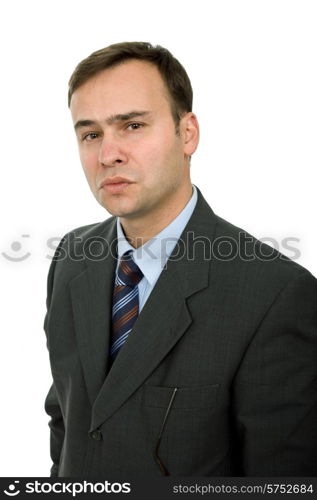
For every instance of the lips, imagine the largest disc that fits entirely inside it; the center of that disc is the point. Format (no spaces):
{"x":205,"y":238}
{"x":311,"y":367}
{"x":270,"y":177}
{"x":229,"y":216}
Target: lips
{"x":115,"y":185}
{"x":114,"y":180}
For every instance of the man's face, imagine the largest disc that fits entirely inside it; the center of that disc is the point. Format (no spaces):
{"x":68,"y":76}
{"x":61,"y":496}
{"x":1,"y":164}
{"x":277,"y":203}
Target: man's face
{"x":135,"y":163}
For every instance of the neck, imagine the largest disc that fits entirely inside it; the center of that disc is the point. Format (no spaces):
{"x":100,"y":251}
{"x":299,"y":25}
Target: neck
{"x":139,"y":231}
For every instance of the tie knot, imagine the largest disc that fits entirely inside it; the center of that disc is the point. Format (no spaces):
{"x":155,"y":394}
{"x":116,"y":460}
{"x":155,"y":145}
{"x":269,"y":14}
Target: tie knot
{"x":128,"y":272}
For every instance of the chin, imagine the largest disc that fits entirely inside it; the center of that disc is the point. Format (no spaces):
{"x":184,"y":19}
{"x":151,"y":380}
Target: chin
{"x":118,"y":211}
{"x":119,"y":206}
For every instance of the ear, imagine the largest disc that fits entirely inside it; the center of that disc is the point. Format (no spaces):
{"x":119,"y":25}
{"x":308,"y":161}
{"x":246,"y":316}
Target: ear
{"x":190,"y":133}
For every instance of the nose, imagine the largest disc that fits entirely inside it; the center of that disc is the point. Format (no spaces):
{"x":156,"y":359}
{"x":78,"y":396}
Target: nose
{"x":111,"y":153}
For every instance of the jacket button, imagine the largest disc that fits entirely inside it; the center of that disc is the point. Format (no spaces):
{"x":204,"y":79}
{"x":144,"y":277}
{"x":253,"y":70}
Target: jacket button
{"x":96,"y":435}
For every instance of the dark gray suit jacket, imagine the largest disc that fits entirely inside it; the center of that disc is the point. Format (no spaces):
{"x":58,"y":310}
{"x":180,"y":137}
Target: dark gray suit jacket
{"x":232,"y":327}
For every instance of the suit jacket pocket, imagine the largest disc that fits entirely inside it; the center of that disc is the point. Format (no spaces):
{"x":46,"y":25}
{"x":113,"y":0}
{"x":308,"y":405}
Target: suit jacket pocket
{"x":181,"y":427}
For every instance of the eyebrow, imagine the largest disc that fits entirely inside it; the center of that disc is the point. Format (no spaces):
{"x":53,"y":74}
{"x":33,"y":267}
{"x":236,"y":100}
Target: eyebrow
{"x":121,"y":117}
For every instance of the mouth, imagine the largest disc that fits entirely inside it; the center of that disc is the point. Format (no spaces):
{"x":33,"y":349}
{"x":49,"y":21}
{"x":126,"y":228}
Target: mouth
{"x":115,"y":184}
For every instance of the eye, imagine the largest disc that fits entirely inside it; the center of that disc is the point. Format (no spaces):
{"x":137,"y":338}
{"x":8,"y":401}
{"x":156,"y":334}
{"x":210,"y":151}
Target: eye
{"x":135,"y":126}
{"x":90,"y":137}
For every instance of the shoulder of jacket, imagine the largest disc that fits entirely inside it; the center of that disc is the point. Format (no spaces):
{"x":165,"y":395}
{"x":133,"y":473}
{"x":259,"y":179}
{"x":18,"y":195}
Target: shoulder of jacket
{"x":266,"y":258}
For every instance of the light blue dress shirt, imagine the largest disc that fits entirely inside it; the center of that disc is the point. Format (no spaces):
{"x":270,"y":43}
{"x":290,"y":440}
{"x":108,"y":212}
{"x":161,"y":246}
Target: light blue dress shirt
{"x":152,"y":256}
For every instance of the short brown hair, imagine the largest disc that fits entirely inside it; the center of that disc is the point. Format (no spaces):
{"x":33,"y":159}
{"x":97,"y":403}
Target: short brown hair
{"x":173,"y":74}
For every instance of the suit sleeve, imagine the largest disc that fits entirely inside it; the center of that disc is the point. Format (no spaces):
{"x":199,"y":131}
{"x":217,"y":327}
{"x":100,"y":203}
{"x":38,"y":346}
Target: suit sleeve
{"x":275,"y":389}
{"x":57,"y":429}
{"x":51,"y":405}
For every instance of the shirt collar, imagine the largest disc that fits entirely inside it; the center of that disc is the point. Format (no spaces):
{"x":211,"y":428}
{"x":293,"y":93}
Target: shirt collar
{"x":152,"y":256}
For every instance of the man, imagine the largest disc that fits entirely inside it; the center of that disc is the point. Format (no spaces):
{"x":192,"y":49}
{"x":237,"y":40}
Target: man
{"x":179,"y":344}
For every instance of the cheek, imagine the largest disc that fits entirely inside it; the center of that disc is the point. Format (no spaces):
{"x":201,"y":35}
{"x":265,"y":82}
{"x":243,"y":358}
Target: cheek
{"x":89,"y":161}
{"x":89,"y":166}
{"x":156,"y":153}
{"x":160,"y":160}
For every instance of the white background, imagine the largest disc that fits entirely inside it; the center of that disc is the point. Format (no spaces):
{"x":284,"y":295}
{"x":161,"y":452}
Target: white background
{"x":253,"y":69}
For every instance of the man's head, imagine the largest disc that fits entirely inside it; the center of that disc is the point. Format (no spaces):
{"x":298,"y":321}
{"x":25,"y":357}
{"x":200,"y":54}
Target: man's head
{"x":133,"y":126}
{"x":178,"y":86}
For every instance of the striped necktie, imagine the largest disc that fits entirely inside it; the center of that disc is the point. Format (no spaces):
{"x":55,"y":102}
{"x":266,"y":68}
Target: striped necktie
{"x":125,"y":303}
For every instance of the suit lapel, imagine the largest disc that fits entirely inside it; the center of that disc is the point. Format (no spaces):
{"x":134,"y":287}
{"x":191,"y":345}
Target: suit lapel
{"x":91,"y":295}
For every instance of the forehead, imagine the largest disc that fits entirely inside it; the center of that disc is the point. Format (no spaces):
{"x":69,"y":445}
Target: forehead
{"x":130,"y":84}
